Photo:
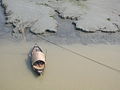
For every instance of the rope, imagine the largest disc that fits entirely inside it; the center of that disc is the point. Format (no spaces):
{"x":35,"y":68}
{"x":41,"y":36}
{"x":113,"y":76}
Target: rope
{"x":87,"y":58}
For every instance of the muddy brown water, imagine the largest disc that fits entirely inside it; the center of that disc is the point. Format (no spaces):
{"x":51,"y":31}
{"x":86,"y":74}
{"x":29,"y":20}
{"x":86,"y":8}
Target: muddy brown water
{"x":64,"y":70}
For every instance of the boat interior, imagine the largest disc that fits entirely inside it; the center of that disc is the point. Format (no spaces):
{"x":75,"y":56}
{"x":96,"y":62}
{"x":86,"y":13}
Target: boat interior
{"x":39,"y":65}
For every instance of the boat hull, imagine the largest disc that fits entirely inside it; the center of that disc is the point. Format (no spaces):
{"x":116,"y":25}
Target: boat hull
{"x":38,"y":60}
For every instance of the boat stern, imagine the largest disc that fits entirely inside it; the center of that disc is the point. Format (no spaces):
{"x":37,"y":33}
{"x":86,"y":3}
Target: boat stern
{"x":38,"y":71}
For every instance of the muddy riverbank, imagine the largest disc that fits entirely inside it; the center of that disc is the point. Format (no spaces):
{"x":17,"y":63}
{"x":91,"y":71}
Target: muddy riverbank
{"x":66,"y":34}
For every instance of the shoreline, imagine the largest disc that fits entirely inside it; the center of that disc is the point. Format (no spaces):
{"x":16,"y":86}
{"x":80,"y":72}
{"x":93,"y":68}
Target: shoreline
{"x":66,"y":34}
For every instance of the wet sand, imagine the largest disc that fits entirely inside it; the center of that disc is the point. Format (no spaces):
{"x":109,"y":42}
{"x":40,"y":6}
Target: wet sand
{"x":64,"y":71}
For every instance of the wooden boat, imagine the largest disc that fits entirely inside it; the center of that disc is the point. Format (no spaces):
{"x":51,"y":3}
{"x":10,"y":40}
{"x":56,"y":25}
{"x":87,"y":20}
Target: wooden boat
{"x":38,"y":60}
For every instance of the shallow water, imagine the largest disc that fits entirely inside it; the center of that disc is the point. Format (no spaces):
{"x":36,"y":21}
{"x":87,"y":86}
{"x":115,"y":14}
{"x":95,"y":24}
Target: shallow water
{"x":64,"y":70}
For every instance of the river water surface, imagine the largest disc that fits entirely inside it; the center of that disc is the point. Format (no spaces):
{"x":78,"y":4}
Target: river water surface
{"x":64,"y":70}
